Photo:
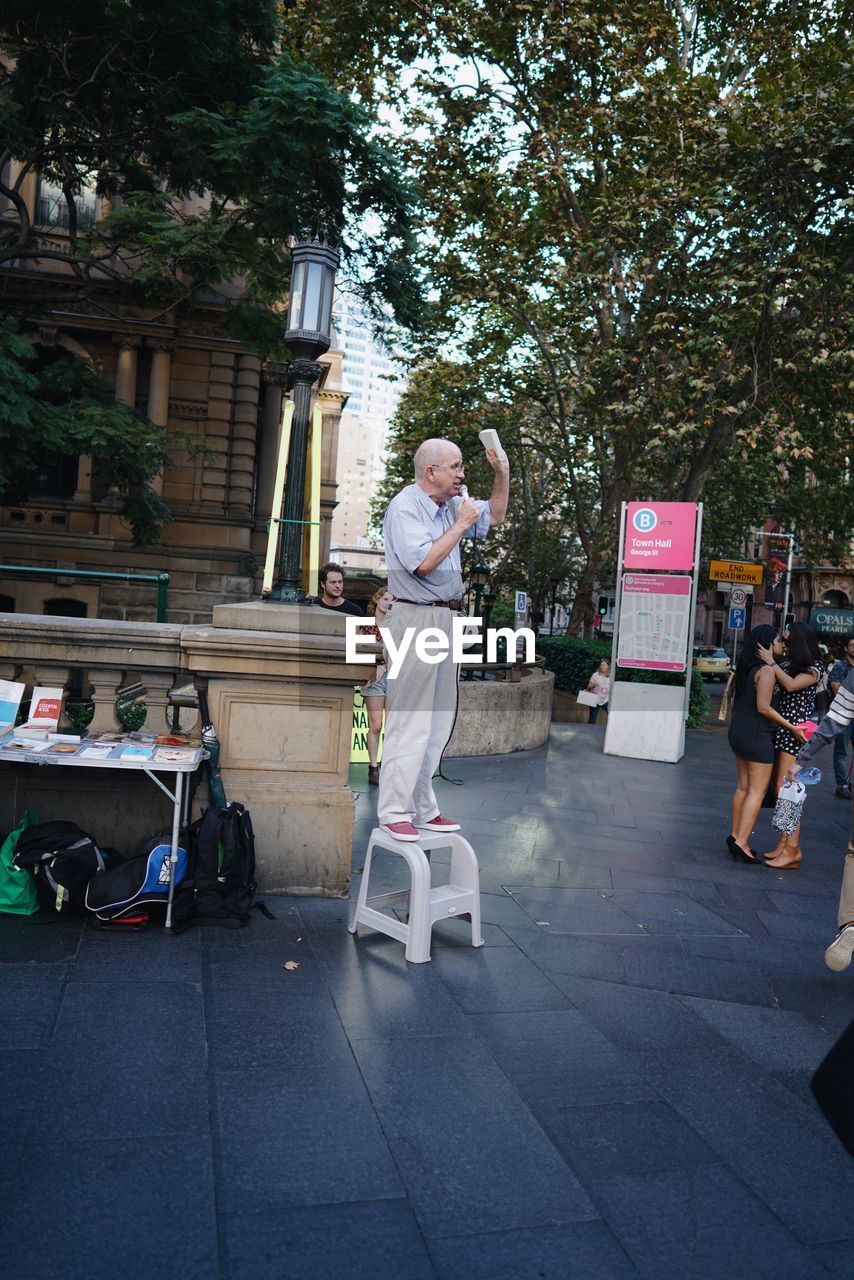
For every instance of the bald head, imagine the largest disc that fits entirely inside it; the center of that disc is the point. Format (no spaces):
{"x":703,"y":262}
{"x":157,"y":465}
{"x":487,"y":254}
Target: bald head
{"x":434,"y":453}
{"x":439,"y":469}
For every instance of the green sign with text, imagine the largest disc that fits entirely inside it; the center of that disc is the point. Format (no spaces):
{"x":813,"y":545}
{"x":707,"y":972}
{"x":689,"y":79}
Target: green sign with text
{"x":832,"y":622}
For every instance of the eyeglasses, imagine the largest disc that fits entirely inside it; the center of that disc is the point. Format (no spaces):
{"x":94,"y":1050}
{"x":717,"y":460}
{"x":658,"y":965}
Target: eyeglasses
{"x":456,"y":468}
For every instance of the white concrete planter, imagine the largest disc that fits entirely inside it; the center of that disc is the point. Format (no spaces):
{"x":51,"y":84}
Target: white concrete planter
{"x":496,"y":717}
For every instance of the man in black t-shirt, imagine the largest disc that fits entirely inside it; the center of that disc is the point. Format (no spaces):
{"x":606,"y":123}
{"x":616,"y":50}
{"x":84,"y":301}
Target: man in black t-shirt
{"x":332,"y":592}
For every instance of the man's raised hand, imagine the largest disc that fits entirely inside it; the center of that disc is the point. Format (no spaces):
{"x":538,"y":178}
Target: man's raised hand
{"x":499,"y":462}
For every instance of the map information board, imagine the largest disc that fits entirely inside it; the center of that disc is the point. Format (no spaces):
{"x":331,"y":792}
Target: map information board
{"x":654,"y":621}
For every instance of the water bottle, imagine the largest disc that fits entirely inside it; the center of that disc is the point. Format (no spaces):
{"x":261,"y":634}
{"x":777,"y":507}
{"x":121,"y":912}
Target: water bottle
{"x":809,"y":777}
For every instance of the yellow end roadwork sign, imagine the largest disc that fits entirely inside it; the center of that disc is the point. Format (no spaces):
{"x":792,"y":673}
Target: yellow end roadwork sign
{"x":736,"y":571}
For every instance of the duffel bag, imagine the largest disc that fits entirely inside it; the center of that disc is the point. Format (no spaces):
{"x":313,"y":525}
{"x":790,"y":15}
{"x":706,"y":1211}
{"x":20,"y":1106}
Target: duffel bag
{"x":63,"y":858}
{"x":130,"y":885}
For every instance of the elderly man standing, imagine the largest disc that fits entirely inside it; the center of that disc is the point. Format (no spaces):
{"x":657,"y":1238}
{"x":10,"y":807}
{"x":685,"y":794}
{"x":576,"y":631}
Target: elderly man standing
{"x":423,"y":527}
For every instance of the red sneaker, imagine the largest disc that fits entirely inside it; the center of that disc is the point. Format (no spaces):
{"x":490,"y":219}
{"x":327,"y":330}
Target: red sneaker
{"x":400,"y":830}
{"x":439,"y":823}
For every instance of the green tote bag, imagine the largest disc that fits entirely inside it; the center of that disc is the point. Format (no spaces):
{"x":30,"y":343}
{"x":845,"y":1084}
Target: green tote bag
{"x":17,"y":886}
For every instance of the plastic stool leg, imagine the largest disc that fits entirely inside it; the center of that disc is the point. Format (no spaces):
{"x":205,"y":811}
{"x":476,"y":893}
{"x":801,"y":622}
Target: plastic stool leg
{"x":465,"y":872}
{"x":420,"y":925}
{"x":363,"y":887}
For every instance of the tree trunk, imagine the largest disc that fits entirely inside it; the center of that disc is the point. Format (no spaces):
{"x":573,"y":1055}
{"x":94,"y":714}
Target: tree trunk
{"x":582,"y":605}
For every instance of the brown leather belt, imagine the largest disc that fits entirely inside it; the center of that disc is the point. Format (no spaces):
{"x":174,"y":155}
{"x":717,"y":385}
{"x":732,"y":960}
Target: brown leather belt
{"x":430,"y":604}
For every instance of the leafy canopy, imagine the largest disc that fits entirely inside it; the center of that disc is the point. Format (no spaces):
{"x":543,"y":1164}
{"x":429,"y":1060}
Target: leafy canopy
{"x":210,"y":144}
{"x":214,"y":143}
{"x":638,"y":237}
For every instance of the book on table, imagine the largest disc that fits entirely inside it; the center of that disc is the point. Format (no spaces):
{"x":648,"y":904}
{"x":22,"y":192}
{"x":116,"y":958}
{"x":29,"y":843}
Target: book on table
{"x":11,"y":693}
{"x":45,"y":707}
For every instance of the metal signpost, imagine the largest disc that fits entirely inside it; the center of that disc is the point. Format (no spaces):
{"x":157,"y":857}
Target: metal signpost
{"x":653,"y":627}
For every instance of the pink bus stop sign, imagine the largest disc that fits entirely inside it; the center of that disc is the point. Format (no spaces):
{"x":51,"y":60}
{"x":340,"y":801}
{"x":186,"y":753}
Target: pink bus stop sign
{"x":660,"y":535}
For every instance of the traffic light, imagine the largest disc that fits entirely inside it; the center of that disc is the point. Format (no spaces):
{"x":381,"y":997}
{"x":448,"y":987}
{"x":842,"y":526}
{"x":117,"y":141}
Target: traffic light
{"x":603,"y":607}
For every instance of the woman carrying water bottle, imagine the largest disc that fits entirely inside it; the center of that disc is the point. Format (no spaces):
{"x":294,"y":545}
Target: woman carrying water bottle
{"x":751,"y":737}
{"x":798,"y":677}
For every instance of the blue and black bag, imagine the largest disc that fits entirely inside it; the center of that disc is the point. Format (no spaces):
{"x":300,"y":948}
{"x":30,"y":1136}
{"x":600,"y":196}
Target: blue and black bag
{"x":138,"y":882}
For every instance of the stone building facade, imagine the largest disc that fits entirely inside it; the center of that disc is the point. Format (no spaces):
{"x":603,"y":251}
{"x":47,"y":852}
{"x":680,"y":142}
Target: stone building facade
{"x":225,"y":404}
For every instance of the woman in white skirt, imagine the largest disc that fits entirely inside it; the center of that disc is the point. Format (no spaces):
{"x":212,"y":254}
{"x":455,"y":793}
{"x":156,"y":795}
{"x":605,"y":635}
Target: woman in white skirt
{"x":375,"y":690}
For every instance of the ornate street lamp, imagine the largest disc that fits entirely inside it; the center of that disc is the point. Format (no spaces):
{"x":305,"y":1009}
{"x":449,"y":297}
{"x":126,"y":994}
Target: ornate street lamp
{"x":308,"y":334}
{"x":489,"y":598}
{"x":479,"y":579}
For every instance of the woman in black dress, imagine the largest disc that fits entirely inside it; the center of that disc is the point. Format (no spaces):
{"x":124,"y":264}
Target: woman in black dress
{"x":798,"y":679}
{"x":751,"y":737}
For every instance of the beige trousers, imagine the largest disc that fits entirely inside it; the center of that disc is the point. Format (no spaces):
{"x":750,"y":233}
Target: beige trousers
{"x":846,"y":895}
{"x":421,"y":703}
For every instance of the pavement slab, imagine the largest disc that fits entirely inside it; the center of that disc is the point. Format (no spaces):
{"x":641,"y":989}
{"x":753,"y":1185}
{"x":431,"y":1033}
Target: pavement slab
{"x":615,"y":1085}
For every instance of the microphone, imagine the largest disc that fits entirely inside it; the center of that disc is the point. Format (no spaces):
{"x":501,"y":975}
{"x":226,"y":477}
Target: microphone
{"x":464,"y":493}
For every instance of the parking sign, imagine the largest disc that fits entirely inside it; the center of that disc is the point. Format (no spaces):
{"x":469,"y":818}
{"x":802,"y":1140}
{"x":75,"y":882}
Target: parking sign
{"x":521,"y":602}
{"x":737,"y":619}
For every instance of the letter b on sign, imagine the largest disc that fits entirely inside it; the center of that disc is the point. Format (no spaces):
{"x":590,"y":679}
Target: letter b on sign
{"x":645,"y":520}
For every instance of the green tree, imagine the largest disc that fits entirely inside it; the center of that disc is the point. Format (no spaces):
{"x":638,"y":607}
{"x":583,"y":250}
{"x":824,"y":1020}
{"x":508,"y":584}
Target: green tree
{"x":64,"y":409}
{"x":155,"y":106}
{"x":211,"y":144}
{"x":637,"y":232}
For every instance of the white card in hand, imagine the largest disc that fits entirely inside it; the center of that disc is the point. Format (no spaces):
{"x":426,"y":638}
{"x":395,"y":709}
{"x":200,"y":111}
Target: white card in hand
{"x":489,"y":439}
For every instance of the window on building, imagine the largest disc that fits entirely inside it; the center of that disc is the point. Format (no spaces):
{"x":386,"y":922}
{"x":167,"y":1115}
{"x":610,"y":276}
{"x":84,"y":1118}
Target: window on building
{"x":7,"y":604}
{"x":64,"y":607}
{"x":52,"y":207}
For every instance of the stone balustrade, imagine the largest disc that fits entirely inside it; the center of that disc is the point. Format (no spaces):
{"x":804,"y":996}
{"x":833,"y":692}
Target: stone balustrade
{"x":280,"y":695}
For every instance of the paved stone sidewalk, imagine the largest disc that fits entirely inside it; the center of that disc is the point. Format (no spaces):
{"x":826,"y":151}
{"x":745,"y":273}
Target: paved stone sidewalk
{"x":616,"y":1085}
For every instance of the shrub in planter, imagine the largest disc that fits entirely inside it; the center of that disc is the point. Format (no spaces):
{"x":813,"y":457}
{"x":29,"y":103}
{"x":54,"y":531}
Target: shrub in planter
{"x":574,"y":661}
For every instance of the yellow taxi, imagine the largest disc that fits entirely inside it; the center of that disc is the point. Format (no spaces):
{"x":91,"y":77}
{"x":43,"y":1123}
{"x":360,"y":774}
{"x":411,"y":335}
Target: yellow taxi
{"x":713,"y":664}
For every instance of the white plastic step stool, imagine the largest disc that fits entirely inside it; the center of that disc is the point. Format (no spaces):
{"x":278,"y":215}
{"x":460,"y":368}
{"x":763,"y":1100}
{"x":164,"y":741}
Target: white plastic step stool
{"x":425,"y":904}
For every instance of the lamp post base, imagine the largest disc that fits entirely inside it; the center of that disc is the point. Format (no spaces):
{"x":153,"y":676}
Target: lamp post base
{"x":287,"y":595}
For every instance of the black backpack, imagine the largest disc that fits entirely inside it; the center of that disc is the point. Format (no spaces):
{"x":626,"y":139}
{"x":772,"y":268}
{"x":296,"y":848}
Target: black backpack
{"x":225,"y":867}
{"x":63,"y":859}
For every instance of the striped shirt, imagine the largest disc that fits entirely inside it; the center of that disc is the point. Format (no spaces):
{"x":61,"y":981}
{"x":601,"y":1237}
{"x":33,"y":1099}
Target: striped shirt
{"x":839,"y":718}
{"x":412,"y":524}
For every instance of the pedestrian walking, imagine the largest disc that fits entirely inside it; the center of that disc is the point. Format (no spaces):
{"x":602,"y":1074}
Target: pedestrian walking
{"x":840,"y":670}
{"x":839,"y":719}
{"x":798,"y":676}
{"x":599,"y":685}
{"x":374,"y":691}
{"x":422,"y":530}
{"x":751,"y":737}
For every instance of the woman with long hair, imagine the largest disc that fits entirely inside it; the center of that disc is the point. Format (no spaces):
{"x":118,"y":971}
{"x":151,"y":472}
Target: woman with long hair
{"x":751,"y":737}
{"x":374,"y":691}
{"x":798,"y":678}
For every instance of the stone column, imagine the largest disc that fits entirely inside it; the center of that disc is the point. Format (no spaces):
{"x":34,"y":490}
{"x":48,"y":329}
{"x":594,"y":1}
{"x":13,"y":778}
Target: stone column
{"x":83,"y":492}
{"x":158,"y":389}
{"x":241,"y":471}
{"x":105,"y":681}
{"x":128,"y":345}
{"x":217,"y":430}
{"x":268,"y":447}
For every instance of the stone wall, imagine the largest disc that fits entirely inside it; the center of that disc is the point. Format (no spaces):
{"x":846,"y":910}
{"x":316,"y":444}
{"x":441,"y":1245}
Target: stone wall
{"x":281,"y":696}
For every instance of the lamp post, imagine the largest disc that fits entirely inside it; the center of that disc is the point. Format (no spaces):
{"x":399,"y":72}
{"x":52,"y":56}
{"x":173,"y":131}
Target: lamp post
{"x":489,"y":598}
{"x":308,"y":334}
{"x":479,"y":579}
